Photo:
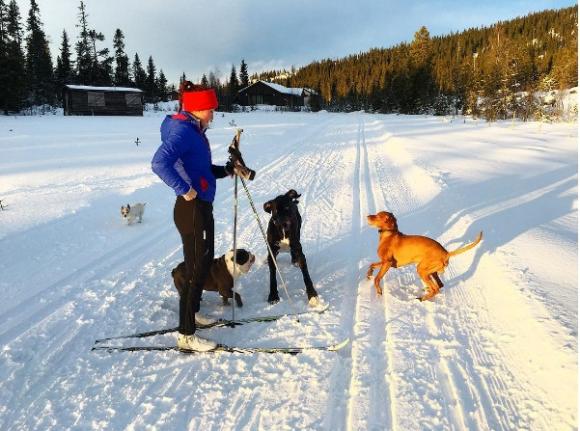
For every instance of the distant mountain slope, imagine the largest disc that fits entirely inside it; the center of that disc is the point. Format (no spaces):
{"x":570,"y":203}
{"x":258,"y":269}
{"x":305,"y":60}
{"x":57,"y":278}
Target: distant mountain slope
{"x":535,"y":52}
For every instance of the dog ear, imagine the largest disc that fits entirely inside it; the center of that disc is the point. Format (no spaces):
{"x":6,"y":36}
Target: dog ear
{"x":242,"y":256}
{"x":293,"y":194}
{"x":268,"y":206}
{"x":393,"y":220}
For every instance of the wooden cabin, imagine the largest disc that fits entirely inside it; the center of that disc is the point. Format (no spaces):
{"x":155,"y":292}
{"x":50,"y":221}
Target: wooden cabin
{"x":91,"y":100}
{"x":268,"y":93}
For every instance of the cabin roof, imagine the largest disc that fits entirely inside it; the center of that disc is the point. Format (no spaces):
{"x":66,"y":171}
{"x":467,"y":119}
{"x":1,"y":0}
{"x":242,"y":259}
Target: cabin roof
{"x":93,"y":88}
{"x":279,"y":88}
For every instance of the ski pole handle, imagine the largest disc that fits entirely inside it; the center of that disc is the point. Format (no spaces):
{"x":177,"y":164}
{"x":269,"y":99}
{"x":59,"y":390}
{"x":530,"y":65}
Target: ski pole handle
{"x":237,"y":160}
{"x":234,"y":148}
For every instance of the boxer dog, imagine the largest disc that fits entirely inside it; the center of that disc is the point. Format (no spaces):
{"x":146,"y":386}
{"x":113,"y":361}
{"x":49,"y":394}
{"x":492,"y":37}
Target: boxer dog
{"x":220,"y":278}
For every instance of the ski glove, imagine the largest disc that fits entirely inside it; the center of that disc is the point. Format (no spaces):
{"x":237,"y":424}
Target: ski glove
{"x":243,"y":172}
{"x":229,"y":168}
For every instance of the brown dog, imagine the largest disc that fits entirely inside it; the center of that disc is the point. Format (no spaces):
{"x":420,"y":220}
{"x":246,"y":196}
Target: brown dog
{"x":397,"y":249}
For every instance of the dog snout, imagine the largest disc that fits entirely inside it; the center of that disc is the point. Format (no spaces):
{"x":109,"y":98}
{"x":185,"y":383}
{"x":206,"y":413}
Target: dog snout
{"x":372,"y":219}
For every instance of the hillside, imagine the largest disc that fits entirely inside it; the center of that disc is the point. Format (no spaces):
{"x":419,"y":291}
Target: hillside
{"x":449,"y":73}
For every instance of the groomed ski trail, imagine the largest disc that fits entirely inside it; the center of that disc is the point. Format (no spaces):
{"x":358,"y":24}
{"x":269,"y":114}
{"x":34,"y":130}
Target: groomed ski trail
{"x":370,"y":404}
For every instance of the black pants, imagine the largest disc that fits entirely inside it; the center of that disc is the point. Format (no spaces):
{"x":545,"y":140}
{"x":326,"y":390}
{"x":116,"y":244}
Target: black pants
{"x":194,"y":221}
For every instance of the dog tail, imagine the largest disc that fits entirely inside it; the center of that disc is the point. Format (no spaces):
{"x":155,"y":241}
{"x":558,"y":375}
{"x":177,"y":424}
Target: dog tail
{"x":467,"y":247}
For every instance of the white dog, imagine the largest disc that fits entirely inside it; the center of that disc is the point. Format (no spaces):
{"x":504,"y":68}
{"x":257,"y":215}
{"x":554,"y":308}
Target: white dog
{"x":132,"y":212}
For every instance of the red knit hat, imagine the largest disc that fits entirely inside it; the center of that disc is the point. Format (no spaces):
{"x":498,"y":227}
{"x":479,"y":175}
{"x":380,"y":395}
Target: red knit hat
{"x":202,"y":100}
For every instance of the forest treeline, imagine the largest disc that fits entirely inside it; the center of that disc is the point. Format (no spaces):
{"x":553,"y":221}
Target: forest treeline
{"x":29,"y":76}
{"x":490,"y":71}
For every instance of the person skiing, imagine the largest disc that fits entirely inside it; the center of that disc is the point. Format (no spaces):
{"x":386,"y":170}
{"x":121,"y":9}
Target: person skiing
{"x":184,"y":162}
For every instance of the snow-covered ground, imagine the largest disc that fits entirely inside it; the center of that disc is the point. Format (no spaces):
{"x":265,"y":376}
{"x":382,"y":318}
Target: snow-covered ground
{"x":496,"y":350}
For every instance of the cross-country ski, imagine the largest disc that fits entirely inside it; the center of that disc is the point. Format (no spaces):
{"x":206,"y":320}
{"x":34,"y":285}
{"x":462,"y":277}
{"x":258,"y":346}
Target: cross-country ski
{"x":218,"y":323}
{"x":226,"y":348}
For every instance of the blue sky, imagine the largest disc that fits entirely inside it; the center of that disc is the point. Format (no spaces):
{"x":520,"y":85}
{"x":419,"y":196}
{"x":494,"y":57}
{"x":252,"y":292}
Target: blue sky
{"x":196,"y":36}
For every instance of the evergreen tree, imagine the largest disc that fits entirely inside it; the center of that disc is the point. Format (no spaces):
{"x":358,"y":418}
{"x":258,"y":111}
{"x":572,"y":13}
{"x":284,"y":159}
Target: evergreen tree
{"x":3,"y":27}
{"x":497,"y":74}
{"x":233,"y":86}
{"x":12,"y":59}
{"x":214,"y":81}
{"x":38,"y":60}
{"x":161,"y":85}
{"x":150,"y":84}
{"x":4,"y":98}
{"x":244,"y":80}
{"x":14,"y":26}
{"x":204,"y":81}
{"x":16,"y":67}
{"x":421,"y":52}
{"x":64,"y":70}
{"x":221,"y":90}
{"x":565,"y":69}
{"x":171,"y":92}
{"x":102,"y":63}
{"x":83,"y":49}
{"x":139,"y":74}
{"x":122,"y":77}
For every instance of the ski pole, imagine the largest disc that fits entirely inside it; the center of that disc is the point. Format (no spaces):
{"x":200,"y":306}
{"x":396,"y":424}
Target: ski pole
{"x":234,"y":153}
{"x":236,"y":143}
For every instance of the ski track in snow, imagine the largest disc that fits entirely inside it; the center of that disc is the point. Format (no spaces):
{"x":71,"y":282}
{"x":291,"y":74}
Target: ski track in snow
{"x":370,"y":404}
{"x":495,"y":350}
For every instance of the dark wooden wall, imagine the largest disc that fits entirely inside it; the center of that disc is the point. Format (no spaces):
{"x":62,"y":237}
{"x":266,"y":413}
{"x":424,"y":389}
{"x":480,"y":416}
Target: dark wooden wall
{"x":94,"y":102}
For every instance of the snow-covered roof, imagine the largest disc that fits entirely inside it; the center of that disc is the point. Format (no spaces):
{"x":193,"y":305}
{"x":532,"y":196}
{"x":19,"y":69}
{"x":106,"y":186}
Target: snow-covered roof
{"x":279,"y":88}
{"x":284,"y":90}
{"x":92,"y":88}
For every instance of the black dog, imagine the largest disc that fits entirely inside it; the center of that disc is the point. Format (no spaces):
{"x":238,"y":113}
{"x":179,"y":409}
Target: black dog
{"x":283,"y":234}
{"x":220,"y":277}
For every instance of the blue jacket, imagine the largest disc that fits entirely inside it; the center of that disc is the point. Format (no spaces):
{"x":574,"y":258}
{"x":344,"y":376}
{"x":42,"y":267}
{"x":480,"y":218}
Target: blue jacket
{"x":184,"y":157}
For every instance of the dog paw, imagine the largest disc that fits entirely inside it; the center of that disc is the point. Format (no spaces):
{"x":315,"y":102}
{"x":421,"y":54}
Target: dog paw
{"x":314,"y":302}
{"x":379,"y":291}
{"x":273,"y":298}
{"x":426,"y":297}
{"x":239,"y":302}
